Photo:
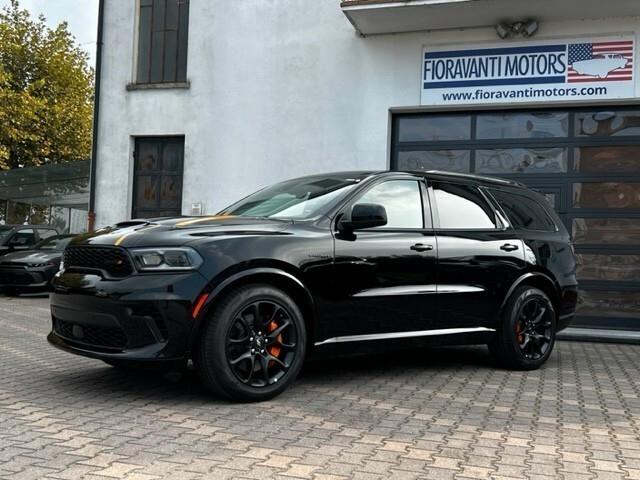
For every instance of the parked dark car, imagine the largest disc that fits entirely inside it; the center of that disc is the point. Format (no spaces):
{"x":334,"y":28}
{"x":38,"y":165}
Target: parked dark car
{"x":324,"y":264}
{"x":32,"y":270}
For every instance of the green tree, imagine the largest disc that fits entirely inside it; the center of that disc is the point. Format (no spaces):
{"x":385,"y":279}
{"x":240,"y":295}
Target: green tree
{"x":46,"y":92}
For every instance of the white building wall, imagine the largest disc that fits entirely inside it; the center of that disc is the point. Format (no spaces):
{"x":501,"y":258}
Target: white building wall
{"x":279,"y":88}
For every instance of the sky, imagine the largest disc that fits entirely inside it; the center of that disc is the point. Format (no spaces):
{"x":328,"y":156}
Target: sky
{"x":81,"y":15}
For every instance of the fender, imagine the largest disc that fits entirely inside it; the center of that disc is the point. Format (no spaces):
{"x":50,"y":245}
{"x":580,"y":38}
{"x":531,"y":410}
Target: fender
{"x":255,"y":271}
{"x":250,"y":272}
{"x":521,"y":279}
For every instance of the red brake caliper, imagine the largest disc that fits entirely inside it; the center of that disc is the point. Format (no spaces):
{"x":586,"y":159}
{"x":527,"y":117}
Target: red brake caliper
{"x":274,"y":349}
{"x":519,"y":335}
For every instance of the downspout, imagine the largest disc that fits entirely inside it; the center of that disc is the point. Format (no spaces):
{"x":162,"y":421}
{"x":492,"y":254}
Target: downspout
{"x":96,"y":115}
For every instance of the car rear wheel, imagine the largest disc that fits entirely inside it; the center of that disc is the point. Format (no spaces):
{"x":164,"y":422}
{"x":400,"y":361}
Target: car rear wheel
{"x":253,"y":344}
{"x":527,"y":334}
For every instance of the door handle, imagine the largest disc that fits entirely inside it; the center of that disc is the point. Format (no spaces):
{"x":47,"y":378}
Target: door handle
{"x":507,"y":247}
{"x":421,"y":247}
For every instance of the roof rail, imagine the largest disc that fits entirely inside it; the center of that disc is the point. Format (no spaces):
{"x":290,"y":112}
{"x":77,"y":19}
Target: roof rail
{"x":472,"y":176}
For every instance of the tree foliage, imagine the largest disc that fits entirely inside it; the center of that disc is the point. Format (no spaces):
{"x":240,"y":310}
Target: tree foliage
{"x":46,"y":92}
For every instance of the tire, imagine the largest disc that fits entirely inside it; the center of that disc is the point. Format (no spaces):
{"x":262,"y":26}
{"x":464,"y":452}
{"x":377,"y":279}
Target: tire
{"x":527,"y":333}
{"x":253,"y":344}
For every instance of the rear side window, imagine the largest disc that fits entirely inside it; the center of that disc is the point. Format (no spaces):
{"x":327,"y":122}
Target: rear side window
{"x":524,"y":213}
{"x":463,"y":207}
{"x":23,"y":238}
{"x":46,"y":233}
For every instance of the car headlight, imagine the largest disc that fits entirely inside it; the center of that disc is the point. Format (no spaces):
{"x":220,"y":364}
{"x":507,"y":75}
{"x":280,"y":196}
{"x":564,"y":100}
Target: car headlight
{"x":166,"y":259}
{"x":45,"y":264}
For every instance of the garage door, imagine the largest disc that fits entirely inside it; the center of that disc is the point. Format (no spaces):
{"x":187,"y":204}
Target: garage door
{"x":585,"y":161}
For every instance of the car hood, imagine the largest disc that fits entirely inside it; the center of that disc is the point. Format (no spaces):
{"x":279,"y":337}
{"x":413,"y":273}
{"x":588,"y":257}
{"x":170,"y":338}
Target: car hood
{"x":31,"y":256}
{"x":179,"y":231}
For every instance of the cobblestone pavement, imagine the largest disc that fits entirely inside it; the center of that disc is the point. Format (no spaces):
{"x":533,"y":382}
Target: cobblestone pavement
{"x":442,"y":413}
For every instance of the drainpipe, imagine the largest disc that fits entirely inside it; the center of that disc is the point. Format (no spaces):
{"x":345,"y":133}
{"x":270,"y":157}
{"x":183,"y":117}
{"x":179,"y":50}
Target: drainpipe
{"x":96,"y":115}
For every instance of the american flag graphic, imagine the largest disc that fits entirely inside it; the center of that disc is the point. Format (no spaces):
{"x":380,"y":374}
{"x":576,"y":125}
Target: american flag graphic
{"x":600,"y":62}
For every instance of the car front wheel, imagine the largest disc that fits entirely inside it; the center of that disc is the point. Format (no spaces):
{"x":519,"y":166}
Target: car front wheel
{"x":253,"y":344}
{"x":527,"y":333}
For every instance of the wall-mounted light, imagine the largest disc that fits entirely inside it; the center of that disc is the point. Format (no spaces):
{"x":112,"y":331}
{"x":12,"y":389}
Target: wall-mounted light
{"x":530,"y":28}
{"x":522,"y":28}
{"x":503,"y":30}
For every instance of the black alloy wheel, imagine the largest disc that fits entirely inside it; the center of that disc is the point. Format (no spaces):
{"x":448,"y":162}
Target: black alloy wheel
{"x":261,"y":343}
{"x":527,"y":333}
{"x":534,"y":328}
{"x":253,"y":344}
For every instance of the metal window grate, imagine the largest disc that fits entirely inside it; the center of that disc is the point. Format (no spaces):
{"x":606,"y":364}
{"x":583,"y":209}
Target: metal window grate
{"x":163,"y":30}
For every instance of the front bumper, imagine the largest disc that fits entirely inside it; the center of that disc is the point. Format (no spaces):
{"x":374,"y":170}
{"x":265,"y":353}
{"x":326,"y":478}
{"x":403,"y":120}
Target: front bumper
{"x":25,"y":277}
{"x":142,"y":317}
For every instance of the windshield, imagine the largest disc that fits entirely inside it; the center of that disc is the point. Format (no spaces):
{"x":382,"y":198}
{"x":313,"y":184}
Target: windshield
{"x":302,"y":198}
{"x":53,"y":243}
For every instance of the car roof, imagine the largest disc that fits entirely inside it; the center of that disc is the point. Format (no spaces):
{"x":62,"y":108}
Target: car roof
{"x":456,"y":177}
{"x":429,"y":174}
{"x":16,"y":225}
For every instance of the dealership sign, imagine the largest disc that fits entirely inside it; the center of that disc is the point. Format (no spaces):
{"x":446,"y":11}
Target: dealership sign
{"x":581,"y":69}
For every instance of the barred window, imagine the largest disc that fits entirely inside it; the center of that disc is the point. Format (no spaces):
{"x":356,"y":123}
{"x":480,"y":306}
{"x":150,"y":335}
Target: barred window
{"x":162,"y":41}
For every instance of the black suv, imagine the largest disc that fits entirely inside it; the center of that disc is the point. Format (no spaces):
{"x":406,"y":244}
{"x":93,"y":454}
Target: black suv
{"x":322,"y":264}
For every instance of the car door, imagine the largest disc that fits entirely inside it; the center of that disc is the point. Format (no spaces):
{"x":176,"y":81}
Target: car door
{"x":479,"y":256}
{"x":385,"y":277}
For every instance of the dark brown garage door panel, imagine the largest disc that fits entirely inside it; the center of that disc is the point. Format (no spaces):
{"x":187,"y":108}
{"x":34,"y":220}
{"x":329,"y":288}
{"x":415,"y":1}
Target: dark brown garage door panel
{"x":587,"y":163}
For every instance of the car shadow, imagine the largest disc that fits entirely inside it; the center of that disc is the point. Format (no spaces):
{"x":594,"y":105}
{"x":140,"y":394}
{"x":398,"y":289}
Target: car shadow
{"x":35,"y":295}
{"x":427,"y":358}
{"x":25,"y":295}
{"x":184,"y":386}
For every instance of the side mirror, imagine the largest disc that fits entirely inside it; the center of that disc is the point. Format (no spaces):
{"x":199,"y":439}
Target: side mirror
{"x":364,"y":215}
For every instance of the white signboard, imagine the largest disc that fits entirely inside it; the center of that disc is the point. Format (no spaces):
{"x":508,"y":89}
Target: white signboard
{"x":529,"y":72}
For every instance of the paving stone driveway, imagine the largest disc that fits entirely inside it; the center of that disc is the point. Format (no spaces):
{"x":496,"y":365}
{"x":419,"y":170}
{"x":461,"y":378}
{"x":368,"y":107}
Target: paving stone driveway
{"x":442,"y":413}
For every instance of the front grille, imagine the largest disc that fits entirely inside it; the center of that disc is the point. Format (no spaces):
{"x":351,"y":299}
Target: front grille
{"x":17,"y":278}
{"x":105,"y":337}
{"x":111,"y":260}
{"x":12,"y":266}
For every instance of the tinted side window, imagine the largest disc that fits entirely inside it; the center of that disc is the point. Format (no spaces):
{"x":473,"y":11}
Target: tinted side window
{"x":524,"y":212}
{"x":402,"y":201}
{"x":23,"y":238}
{"x":463,"y":207}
